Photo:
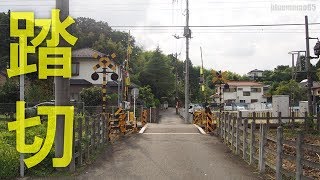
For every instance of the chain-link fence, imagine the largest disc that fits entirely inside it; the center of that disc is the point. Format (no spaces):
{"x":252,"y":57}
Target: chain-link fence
{"x":8,"y":110}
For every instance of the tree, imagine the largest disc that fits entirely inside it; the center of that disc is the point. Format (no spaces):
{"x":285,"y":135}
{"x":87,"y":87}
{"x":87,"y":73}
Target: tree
{"x":9,"y":94}
{"x":158,"y":74}
{"x":91,"y":96}
{"x":4,"y":40}
{"x":145,"y":93}
{"x":44,"y":88}
{"x":293,"y":89}
{"x":107,"y":46}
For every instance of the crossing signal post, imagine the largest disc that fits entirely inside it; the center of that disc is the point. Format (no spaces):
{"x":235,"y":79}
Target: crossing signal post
{"x":219,"y":78}
{"x":105,"y":63}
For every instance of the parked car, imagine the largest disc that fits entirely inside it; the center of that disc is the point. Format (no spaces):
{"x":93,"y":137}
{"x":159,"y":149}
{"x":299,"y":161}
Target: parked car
{"x":194,"y":107}
{"x":238,"y":108}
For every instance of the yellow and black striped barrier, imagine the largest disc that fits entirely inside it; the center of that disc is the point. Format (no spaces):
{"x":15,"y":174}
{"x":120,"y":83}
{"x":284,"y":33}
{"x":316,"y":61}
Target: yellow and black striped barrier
{"x":211,"y":123}
{"x":198,"y":117}
{"x":144,"y":115}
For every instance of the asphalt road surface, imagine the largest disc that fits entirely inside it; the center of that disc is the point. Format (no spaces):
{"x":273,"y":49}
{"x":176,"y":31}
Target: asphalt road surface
{"x":169,"y":150}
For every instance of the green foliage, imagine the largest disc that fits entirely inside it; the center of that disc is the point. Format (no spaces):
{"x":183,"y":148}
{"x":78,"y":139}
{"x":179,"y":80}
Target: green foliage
{"x":4,"y":40}
{"x":9,"y":157}
{"x":91,"y":96}
{"x":158,"y":74}
{"x":107,"y":46}
{"x":9,"y":92}
{"x":113,"y":99}
{"x":145,"y":93}
{"x":43,"y":87}
{"x":293,"y":89}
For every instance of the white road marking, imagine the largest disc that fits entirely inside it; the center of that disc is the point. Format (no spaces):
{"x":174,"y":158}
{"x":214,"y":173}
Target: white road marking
{"x":143,"y":129}
{"x":171,"y":133}
{"x":200,"y":129}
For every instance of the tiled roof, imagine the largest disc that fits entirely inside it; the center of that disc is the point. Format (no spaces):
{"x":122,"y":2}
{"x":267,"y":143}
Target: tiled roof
{"x":244,"y":83}
{"x":114,"y":84}
{"x":255,"y":70}
{"x":79,"y":82}
{"x":85,"y":53}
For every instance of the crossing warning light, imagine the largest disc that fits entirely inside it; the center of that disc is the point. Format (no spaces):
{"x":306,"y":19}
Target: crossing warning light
{"x":114,"y":76}
{"x":95,"y":76}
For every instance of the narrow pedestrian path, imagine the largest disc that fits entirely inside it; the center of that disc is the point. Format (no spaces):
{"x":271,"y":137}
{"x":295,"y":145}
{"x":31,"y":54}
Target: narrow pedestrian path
{"x":171,"y":123}
{"x":169,"y":150}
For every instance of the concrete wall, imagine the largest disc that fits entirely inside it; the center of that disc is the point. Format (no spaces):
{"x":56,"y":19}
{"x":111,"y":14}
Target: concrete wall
{"x":303,"y":107}
{"x":280,"y":103}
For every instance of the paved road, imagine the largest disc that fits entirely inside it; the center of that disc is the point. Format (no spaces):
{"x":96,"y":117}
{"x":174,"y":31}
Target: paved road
{"x":169,"y":150}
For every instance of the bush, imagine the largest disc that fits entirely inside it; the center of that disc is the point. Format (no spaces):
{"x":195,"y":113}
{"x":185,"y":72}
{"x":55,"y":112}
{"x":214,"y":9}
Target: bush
{"x":9,"y":160}
{"x":9,"y":156}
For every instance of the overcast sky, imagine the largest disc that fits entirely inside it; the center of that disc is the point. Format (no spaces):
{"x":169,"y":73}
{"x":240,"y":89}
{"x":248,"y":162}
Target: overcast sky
{"x":238,"y":49}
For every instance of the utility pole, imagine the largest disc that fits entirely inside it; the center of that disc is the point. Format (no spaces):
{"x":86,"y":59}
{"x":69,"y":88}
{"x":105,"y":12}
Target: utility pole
{"x":62,"y":87}
{"x":176,"y":81}
{"x":292,"y":71}
{"x":202,"y":79}
{"x":310,"y":107}
{"x":21,"y":89}
{"x":187,"y":34}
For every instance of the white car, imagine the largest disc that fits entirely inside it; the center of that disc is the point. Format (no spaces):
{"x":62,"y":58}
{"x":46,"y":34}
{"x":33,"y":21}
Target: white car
{"x":240,"y":108}
{"x":194,"y":107}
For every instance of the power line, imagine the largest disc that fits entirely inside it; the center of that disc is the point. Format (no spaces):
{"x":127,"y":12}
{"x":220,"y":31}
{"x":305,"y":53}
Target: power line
{"x":213,"y":26}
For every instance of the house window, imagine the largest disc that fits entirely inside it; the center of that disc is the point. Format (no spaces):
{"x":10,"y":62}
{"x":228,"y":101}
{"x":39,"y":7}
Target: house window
{"x":230,"y":90}
{"x":240,"y":89}
{"x":75,"y":68}
{"x":255,"y":89}
{"x":242,"y":101}
{"x":254,"y":100}
{"x":246,"y":93}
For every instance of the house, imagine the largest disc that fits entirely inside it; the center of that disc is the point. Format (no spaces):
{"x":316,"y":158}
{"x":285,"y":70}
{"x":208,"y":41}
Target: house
{"x":82,"y":69}
{"x":255,"y":74}
{"x":243,"y":92}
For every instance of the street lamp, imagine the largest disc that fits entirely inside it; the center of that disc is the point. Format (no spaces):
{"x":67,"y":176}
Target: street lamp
{"x":294,"y":70}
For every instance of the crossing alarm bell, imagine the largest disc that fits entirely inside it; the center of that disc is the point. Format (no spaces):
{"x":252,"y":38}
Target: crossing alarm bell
{"x":114,"y":76}
{"x":95,"y":76}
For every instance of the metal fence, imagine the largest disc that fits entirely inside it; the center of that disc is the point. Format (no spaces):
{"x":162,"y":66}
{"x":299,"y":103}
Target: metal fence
{"x":279,"y":152}
{"x":89,"y":135}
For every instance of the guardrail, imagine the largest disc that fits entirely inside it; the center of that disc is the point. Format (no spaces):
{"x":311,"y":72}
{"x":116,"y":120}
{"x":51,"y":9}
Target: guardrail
{"x":255,"y":143}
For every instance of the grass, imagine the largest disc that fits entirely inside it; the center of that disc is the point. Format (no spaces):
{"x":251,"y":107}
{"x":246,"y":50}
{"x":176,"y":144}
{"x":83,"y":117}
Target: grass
{"x":9,"y":157}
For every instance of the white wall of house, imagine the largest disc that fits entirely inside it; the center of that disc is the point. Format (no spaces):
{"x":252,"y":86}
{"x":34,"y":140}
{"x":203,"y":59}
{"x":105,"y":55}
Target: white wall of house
{"x":244,"y":94}
{"x":255,"y":74}
{"x":86,"y":69}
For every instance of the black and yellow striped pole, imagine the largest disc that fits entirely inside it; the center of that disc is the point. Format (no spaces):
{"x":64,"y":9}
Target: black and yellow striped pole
{"x":220,"y":78}
{"x":105,"y":63}
{"x":127,"y":82}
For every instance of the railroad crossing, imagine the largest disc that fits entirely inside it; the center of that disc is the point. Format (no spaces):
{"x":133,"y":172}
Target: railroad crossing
{"x":169,"y":150}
